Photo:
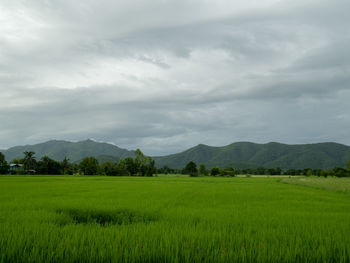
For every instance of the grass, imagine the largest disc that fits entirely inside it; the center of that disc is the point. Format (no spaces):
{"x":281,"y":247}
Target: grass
{"x":103,"y":218}
{"x":330,"y":183}
{"x":165,"y":219}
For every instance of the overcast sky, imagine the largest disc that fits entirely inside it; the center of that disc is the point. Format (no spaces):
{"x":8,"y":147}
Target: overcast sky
{"x":165,"y":75}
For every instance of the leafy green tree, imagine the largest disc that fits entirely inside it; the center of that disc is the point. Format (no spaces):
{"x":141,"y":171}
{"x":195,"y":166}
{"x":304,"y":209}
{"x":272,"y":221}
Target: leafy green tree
{"x":89,"y":166}
{"x":131,"y":166}
{"x":73,"y":169}
{"x":110,"y":169}
{"x":165,"y":170}
{"x":145,"y":165}
{"x":274,"y":171}
{"x":29,"y":160}
{"x":122,"y":168}
{"x":348,"y":165}
{"x":2,"y":157}
{"x":229,"y":171}
{"x":215,"y":171}
{"x":260,"y":171}
{"x":4,"y":166}
{"x":191,"y":169}
{"x":305,"y":171}
{"x":324,"y":173}
{"x":149,"y":168}
{"x":202,"y":169}
{"x":18,"y":161}
{"x":114,"y":169}
{"x":340,"y":172}
{"x":247,"y":171}
{"x":317,"y":172}
{"x":140,"y":158}
{"x":291,"y":172}
{"x":65,"y":165}
{"x":48,"y":166}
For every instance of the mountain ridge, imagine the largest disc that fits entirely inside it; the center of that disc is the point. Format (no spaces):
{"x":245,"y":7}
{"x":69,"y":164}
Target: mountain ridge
{"x":243,"y":154}
{"x":75,"y":151}
{"x":272,"y":154}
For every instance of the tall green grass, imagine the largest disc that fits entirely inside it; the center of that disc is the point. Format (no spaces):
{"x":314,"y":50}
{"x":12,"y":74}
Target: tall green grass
{"x":330,"y":183}
{"x":110,"y":219}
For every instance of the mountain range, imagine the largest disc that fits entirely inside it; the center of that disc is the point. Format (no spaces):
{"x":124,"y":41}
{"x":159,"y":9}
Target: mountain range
{"x":74,"y":151}
{"x":252,"y":155}
{"x":239,"y":154}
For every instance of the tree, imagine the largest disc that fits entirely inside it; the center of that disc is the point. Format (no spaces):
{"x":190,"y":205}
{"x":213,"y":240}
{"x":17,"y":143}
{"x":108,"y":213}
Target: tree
{"x":74,"y":168}
{"x":348,"y":165}
{"x":29,"y":161}
{"x":324,"y":173}
{"x":291,"y":172}
{"x":145,"y":165}
{"x":340,"y":172}
{"x":260,"y":170}
{"x":229,"y":171}
{"x":165,"y":170}
{"x":191,"y":169}
{"x":131,"y":166}
{"x":274,"y":171}
{"x":149,"y":168}
{"x":17,"y":161}
{"x":122,"y":168}
{"x":247,"y":171}
{"x":4,"y":166}
{"x":202,"y":169}
{"x":48,"y":166}
{"x":65,"y":166}
{"x":89,"y":166}
{"x":110,"y":169}
{"x":215,"y":171}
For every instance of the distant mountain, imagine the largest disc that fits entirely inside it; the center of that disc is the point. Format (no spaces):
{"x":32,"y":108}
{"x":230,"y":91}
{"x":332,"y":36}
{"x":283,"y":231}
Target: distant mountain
{"x":239,"y":155}
{"x":247,"y":154}
{"x":75,"y":151}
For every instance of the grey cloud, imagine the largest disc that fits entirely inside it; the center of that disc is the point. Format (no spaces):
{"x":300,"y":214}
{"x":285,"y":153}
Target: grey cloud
{"x":164,"y":128}
{"x":154,"y":61}
{"x":166,"y":75}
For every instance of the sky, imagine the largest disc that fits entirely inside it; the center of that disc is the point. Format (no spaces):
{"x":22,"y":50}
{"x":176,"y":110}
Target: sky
{"x":165,"y":75}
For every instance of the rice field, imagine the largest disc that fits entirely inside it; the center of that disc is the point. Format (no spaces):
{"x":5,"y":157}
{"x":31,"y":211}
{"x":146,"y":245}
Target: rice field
{"x":331,"y":183}
{"x":171,"y":219}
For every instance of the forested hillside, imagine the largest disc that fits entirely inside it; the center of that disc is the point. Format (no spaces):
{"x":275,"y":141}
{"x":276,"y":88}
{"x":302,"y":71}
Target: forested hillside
{"x":249,"y":155}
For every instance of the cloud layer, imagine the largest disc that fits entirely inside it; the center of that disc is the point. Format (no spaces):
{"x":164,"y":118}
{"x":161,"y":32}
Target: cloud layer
{"x":166,"y":75}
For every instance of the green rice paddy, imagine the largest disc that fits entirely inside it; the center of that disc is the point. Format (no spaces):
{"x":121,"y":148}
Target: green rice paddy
{"x":331,"y":183}
{"x":171,"y":219}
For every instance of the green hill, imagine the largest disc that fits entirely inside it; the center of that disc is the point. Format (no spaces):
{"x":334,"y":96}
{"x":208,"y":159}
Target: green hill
{"x":239,"y":155}
{"x":75,"y":151}
{"x":246,"y":154}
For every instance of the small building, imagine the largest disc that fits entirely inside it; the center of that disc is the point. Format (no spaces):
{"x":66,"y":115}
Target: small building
{"x":32,"y":171}
{"x":16,"y":168}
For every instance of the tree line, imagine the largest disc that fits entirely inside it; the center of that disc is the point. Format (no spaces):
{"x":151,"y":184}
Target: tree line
{"x":141,"y":165}
{"x":192,"y":169}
